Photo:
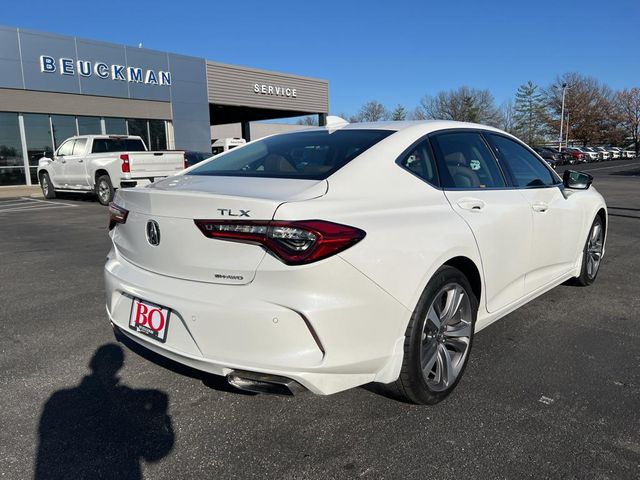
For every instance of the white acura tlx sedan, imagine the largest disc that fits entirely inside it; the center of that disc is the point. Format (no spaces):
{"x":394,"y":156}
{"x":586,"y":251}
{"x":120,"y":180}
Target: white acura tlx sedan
{"x":353,"y":253}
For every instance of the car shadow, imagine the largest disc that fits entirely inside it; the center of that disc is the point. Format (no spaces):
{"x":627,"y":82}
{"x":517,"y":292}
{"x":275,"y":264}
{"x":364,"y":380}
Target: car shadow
{"x":87,"y":197}
{"x":215,"y":382}
{"x":102,"y":428}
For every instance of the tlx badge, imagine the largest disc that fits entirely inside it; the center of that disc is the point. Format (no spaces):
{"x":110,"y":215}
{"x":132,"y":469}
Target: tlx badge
{"x":234,"y":213}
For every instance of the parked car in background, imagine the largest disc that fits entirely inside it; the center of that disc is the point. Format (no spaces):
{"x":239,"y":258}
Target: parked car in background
{"x":614,"y":152}
{"x":576,"y":154}
{"x":606,"y":154}
{"x":594,"y":155}
{"x":103,"y":164}
{"x":552,"y":157}
{"x":619,"y":151}
{"x":334,"y":257}
{"x":629,"y":153}
{"x":588,"y":154}
{"x":191,"y":158}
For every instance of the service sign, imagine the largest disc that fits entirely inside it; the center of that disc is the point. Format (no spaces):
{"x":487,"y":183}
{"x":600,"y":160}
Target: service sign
{"x":86,"y":68}
{"x":274,"y":90}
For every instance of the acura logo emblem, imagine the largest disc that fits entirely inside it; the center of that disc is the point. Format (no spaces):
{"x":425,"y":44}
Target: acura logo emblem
{"x":153,"y":233}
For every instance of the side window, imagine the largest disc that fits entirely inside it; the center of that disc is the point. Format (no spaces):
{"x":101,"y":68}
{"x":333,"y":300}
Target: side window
{"x":525,"y":168}
{"x":99,"y":146}
{"x":66,"y":148}
{"x":78,"y":148}
{"x":419,"y":161}
{"x":466,"y":162}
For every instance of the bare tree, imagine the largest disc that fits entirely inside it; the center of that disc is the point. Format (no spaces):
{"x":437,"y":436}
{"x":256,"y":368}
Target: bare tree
{"x":627,"y":104}
{"x":464,"y":104}
{"x":372,"y":111}
{"x":588,"y":103}
{"x":417,"y":114}
{"x":507,"y":113}
{"x":310,"y":120}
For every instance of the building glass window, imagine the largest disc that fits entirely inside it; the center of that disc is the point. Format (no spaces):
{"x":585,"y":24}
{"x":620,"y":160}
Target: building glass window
{"x":39,"y":144}
{"x":64,"y":126}
{"x":89,"y":126}
{"x":139,"y":128}
{"x":115,"y":126}
{"x":11,"y":163}
{"x":158,"y":135}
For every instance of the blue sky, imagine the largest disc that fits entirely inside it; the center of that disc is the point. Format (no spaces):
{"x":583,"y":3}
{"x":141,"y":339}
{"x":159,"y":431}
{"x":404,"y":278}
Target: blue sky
{"x":394,"y":52}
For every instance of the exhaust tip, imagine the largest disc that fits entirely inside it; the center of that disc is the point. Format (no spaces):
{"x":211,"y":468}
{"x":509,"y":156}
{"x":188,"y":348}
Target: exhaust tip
{"x":264,"y":383}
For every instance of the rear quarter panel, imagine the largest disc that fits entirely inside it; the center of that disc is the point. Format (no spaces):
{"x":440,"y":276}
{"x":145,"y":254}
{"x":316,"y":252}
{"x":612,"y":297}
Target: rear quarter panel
{"x":411,"y":229}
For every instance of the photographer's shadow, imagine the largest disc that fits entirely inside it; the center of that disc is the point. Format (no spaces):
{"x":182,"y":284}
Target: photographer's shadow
{"x":102,"y":429}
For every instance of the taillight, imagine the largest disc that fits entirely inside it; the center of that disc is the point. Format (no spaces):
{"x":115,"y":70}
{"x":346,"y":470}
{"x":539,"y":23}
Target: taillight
{"x":125,"y":163}
{"x":294,"y":243}
{"x":117,"y":215}
{"x":185,"y":164}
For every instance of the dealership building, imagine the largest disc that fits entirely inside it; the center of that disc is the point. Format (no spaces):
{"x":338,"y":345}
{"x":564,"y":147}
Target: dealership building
{"x":53,"y":87}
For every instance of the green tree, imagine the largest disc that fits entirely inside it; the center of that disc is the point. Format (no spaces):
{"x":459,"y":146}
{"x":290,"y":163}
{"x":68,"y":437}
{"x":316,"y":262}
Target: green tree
{"x":529,"y":112}
{"x":399,"y":113}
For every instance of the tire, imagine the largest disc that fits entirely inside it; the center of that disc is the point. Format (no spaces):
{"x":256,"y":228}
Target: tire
{"x":104,"y":189}
{"x":592,"y":254}
{"x":426,"y":343}
{"x":48,"y":189}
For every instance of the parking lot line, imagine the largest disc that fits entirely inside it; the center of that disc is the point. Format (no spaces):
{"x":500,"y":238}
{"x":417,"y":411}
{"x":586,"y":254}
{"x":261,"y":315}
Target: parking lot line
{"x":49,"y":202}
{"x":28,"y":204}
{"x":17,"y":200}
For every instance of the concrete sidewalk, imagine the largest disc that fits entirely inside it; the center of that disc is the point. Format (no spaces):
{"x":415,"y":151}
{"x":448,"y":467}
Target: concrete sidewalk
{"x":20,"y":191}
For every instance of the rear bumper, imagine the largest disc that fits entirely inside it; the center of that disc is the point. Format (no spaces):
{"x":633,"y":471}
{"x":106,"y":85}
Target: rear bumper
{"x":326,"y":326}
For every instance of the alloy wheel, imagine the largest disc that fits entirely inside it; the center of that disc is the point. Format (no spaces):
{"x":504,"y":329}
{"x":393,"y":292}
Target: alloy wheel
{"x":104,"y":191}
{"x":594,"y":249}
{"x":446,"y":337}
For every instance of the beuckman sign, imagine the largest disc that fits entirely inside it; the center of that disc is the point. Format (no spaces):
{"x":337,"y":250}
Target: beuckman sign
{"x":85,"y":68}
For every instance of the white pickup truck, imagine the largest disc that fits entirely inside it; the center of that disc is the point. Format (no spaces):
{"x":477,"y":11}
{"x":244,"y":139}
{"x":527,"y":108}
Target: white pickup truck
{"x":103,"y":163}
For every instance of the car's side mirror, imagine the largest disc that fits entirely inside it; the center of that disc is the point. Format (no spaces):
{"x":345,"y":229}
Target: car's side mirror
{"x":576,"y":180}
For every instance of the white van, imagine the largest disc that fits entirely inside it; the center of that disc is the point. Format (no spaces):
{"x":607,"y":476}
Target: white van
{"x":225,"y":144}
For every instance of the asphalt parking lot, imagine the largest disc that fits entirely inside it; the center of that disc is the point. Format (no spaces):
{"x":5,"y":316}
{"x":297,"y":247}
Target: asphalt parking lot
{"x":551,"y":391}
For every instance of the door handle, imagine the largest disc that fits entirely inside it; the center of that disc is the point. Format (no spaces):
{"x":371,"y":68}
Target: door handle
{"x":540,"y":207}
{"x":471,"y":204}
{"x":80,"y":160}
{"x":62,"y":160}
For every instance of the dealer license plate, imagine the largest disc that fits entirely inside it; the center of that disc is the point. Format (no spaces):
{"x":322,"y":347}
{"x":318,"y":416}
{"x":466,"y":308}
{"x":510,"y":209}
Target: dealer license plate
{"x":149,"y":319}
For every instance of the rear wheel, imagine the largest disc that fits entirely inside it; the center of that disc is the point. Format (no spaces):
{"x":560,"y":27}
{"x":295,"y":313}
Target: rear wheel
{"x":438,"y":338}
{"x":47,"y":187}
{"x":104,"y":190}
{"x":592,"y":255}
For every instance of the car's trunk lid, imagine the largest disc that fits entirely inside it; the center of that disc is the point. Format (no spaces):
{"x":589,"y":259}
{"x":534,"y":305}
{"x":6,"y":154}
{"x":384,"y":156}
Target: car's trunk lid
{"x":183,"y":251}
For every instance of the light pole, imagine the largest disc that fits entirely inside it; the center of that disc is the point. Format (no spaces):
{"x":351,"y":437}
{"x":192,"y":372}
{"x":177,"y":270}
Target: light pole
{"x":566,"y":142}
{"x":564,"y":89}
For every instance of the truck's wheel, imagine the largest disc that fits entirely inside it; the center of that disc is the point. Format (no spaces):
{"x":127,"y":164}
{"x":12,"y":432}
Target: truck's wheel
{"x":47,"y":187}
{"x":104,"y":190}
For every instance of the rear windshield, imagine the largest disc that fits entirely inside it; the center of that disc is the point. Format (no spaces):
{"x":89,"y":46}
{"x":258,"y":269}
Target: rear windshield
{"x":107,"y":145}
{"x":306,"y":155}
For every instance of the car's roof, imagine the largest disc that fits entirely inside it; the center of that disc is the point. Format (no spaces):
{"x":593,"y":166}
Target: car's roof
{"x":100,"y":136}
{"x":426,"y":125}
